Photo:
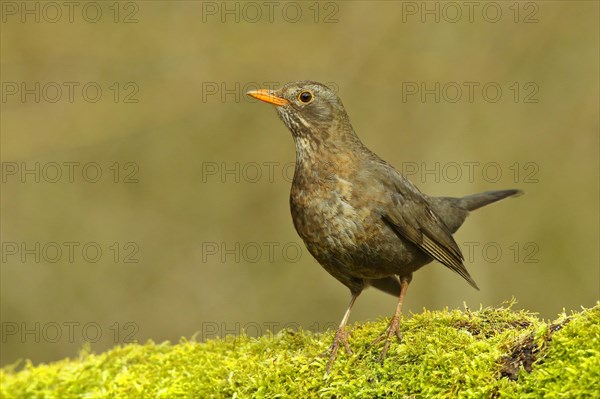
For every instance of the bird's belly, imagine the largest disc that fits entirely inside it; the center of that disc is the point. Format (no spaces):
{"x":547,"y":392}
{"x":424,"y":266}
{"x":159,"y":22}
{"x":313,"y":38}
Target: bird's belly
{"x":345,"y":238}
{"x":330,"y":227}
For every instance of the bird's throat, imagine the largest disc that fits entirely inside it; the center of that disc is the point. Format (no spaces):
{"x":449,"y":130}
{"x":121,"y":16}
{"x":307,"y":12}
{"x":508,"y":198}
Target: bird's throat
{"x":324,"y":162}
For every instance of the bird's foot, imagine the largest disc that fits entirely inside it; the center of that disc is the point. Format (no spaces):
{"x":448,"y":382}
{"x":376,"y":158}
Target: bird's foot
{"x":341,"y":337}
{"x":392,"y":329}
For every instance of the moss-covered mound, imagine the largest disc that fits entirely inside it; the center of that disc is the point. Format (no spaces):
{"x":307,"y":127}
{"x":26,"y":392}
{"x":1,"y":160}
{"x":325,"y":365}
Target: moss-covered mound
{"x":490,"y":353}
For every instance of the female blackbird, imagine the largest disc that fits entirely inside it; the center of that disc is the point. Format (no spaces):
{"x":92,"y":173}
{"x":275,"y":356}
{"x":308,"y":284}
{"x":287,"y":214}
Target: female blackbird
{"x":363,"y":221}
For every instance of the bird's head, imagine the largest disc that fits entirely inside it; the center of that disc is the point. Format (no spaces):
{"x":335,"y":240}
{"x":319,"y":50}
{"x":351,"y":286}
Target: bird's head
{"x":310,"y":110}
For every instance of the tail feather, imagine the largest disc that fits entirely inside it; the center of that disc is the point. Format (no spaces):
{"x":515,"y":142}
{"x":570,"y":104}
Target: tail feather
{"x":476,"y":201}
{"x":453,"y":211}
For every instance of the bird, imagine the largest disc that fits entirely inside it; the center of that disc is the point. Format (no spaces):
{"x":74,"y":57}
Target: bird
{"x":363,"y":221}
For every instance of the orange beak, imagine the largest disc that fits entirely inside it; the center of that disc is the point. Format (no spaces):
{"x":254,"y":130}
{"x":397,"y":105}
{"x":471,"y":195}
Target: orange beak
{"x":268,"y":97}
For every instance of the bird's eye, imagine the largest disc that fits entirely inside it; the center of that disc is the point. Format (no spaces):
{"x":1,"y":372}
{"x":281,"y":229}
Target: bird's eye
{"x":305,"y":97}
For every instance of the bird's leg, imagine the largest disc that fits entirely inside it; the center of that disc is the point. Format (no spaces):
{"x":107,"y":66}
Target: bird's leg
{"x":394,"y":326}
{"x":340,"y":334}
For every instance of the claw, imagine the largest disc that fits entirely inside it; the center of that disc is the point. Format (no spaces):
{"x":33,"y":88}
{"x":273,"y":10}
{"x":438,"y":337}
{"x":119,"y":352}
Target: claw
{"x":341,"y":336}
{"x":393,"y":328}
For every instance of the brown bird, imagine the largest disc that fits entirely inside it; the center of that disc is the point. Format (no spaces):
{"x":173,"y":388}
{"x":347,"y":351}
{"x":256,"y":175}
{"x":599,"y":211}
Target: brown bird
{"x":363,"y":221}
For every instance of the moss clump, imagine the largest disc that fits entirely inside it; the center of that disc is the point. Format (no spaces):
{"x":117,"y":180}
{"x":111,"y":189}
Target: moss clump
{"x":481,"y":354}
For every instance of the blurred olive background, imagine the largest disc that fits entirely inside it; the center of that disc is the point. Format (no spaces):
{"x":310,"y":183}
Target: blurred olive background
{"x":181,"y":125}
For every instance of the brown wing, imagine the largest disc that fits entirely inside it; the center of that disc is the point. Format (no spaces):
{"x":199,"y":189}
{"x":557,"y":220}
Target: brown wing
{"x":412,"y":217}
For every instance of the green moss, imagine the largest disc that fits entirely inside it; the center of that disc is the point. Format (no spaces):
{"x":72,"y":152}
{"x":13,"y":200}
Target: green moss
{"x":480,"y":354}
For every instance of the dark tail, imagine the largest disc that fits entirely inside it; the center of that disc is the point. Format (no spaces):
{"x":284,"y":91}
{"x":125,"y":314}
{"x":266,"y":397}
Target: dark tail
{"x":476,"y":201}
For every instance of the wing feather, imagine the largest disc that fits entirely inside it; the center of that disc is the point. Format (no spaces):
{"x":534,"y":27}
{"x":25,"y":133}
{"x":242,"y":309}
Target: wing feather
{"x":411,"y":216}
